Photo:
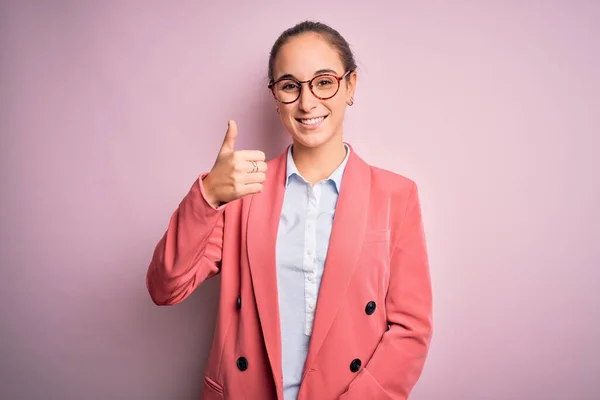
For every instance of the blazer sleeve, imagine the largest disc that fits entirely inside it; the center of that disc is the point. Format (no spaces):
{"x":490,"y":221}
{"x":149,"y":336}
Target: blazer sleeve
{"x":399,"y":359}
{"x":190,"y":250}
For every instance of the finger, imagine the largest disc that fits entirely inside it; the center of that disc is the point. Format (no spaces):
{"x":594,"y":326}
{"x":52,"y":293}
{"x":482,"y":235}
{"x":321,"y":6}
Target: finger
{"x":248,"y":179}
{"x":230,"y":137}
{"x":251,"y":188}
{"x":261,"y":166}
{"x":252,"y":155}
{"x":256,"y":177}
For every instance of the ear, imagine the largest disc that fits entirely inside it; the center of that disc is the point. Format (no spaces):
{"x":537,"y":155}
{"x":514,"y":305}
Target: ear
{"x":351,"y":85}
{"x":276,"y":106}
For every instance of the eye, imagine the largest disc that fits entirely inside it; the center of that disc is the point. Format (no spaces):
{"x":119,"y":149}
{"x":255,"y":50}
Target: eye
{"x":289,"y":86}
{"x":324,"y":82}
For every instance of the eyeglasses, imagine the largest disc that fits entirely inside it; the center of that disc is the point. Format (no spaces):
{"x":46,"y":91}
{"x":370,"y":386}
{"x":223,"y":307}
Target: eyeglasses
{"x":323,"y":87}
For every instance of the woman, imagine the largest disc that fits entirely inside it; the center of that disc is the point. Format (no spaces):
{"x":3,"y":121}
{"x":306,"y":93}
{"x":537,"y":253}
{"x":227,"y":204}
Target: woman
{"x":269,"y":229}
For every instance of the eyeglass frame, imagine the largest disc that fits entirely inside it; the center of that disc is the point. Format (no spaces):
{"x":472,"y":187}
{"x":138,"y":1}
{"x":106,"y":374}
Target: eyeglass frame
{"x":339,"y":79}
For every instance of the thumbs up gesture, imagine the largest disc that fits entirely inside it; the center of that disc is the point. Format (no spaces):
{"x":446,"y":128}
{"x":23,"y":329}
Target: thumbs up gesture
{"x":235,"y":173}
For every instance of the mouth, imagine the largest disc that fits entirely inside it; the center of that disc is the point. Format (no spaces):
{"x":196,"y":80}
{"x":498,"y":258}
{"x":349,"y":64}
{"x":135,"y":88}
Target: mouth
{"x":311,"y":122}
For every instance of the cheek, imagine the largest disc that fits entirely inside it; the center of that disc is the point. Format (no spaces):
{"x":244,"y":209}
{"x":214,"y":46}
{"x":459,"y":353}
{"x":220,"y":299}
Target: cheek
{"x":338,"y":107}
{"x":286,"y":111}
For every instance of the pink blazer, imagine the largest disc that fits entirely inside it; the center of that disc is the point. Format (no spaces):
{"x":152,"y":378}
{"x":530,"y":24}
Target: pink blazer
{"x":373,"y":321}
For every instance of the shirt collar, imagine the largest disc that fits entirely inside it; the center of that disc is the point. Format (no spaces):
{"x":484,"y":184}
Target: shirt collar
{"x":335,"y":177}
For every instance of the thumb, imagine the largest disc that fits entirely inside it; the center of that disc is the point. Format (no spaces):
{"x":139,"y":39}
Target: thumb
{"x":230,"y":137}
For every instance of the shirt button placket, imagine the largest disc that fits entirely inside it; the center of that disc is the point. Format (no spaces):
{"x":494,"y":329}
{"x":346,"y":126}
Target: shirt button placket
{"x":310,"y":246}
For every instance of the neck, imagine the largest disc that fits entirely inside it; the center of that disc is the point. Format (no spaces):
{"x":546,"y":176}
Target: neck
{"x":318,"y":163}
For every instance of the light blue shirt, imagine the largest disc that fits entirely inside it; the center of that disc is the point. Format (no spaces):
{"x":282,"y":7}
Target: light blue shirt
{"x":302,"y":242}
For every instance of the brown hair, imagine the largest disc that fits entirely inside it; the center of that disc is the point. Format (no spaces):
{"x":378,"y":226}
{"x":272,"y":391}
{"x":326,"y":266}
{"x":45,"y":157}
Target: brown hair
{"x":326,"y":32}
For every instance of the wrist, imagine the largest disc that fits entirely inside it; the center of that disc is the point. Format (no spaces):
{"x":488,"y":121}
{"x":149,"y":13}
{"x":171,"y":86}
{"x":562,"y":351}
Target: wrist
{"x":211,"y":198}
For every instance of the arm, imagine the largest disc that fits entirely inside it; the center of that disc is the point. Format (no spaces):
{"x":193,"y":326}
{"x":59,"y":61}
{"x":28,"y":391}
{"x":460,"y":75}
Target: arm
{"x":398,"y":361}
{"x":189,"y":251}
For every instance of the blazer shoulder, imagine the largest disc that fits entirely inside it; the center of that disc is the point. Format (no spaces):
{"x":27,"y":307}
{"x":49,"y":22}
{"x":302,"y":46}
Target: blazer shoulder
{"x":391,"y":183}
{"x":399,"y":193}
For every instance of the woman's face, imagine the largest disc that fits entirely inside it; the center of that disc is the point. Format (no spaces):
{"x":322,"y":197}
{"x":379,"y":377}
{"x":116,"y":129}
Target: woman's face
{"x":310,"y":120}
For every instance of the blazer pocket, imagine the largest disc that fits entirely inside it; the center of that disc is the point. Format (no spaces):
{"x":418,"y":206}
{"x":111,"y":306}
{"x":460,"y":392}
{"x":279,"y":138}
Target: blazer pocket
{"x":212,"y":390}
{"x":381,"y":235}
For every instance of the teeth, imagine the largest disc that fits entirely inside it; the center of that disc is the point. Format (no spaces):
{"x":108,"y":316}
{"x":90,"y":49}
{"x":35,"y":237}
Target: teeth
{"x":312,"y":121}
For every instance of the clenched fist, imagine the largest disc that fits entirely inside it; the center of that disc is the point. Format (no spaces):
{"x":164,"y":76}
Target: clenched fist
{"x":235,"y":173}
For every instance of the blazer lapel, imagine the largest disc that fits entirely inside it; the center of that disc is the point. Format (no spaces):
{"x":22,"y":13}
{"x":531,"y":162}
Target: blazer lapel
{"x":263,"y":223}
{"x":347,"y":235}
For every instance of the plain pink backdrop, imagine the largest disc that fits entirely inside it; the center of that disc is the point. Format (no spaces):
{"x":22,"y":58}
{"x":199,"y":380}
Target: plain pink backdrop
{"x":109,"y":111}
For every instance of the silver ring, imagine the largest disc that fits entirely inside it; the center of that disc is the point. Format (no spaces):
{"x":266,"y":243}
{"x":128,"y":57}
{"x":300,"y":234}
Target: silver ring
{"x":255,"y":169}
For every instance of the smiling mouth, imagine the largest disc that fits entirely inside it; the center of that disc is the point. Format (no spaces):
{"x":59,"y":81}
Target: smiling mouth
{"x":311,"y":121}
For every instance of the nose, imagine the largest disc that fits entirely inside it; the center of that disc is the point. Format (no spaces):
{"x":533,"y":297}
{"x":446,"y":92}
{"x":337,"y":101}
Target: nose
{"x":307,"y":100}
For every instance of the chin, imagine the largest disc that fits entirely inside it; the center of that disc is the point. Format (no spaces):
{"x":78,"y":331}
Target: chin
{"x":312,"y":139}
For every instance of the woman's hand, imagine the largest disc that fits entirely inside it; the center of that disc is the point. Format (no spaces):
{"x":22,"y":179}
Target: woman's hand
{"x":234,"y":174}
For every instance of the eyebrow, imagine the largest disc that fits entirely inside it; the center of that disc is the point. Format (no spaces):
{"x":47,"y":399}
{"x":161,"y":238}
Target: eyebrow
{"x":319,"y":72}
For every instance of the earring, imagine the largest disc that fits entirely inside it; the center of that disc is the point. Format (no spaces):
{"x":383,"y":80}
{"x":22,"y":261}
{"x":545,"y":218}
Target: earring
{"x":351,"y":101}
{"x":277,"y":109}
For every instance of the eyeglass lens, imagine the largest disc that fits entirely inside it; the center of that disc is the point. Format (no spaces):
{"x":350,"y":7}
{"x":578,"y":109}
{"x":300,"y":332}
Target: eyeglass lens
{"x":322,"y":86}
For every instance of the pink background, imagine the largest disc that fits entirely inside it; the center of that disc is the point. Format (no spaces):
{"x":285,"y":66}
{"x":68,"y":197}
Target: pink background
{"x":109,"y":111}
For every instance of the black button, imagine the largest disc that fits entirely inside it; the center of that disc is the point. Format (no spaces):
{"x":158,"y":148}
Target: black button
{"x":370,"y":308}
{"x":239,"y":302}
{"x":242,"y":363}
{"x":355,"y":365}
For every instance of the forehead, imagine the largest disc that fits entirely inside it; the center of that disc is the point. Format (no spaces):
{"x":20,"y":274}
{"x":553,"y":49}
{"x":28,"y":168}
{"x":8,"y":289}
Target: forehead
{"x":303,"y":55}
